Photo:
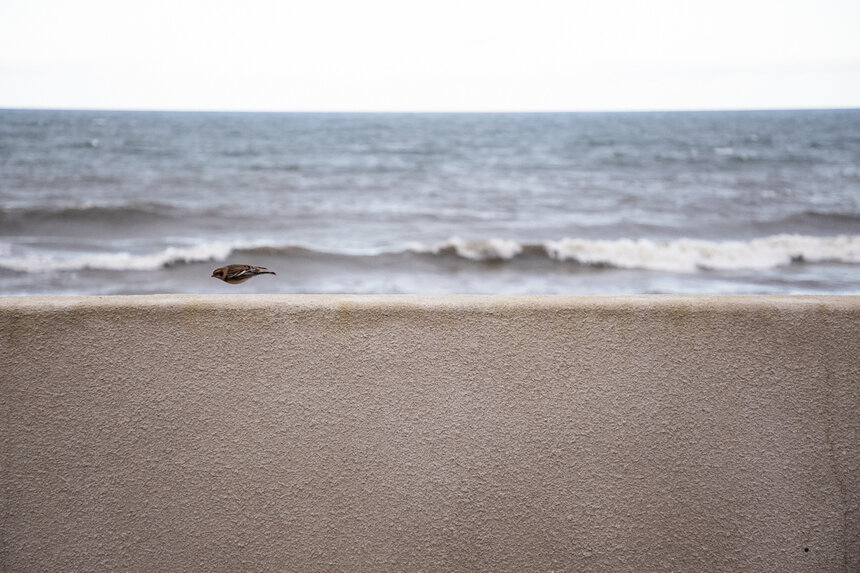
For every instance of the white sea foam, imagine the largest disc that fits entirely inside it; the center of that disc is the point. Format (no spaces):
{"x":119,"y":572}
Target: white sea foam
{"x":121,"y":261}
{"x":486,"y":250}
{"x":679,"y":256}
{"x":690,"y":255}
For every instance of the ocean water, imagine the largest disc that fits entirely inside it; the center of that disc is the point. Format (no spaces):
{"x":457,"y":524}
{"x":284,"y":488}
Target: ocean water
{"x":104,"y":202}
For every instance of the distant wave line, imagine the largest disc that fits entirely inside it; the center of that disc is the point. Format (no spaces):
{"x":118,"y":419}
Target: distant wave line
{"x":149,"y":211}
{"x":89,"y":212}
{"x":678,"y":255}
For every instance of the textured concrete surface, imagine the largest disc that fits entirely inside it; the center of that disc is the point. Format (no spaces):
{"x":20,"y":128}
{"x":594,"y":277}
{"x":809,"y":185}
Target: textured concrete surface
{"x":276,"y":433}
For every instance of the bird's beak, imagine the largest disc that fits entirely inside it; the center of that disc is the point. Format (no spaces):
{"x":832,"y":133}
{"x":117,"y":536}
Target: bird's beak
{"x":212,"y":276}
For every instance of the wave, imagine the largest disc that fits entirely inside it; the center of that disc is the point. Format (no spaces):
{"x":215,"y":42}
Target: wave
{"x":87,"y":212}
{"x":821,"y":219}
{"x":122,"y":261}
{"x":171,"y":256}
{"x":486,"y":250}
{"x":691,"y":255}
{"x":677,"y":256}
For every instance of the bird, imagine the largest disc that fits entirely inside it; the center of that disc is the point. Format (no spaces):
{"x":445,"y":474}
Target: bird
{"x":235,"y":274}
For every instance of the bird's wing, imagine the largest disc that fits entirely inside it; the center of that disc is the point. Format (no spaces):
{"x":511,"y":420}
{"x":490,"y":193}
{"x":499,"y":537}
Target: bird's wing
{"x":249,"y":272}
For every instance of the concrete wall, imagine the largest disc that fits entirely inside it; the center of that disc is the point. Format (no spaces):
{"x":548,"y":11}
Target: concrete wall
{"x":323,"y":433}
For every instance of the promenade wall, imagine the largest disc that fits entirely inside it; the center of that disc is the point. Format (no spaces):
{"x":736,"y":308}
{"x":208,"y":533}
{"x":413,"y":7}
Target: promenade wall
{"x":430,"y":433}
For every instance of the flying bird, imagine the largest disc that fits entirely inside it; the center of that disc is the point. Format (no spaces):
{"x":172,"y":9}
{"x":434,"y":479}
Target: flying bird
{"x":235,"y":274}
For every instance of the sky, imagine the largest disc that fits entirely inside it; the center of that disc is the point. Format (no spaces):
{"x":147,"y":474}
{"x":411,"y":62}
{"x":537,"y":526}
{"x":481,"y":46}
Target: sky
{"x":440,"y":55}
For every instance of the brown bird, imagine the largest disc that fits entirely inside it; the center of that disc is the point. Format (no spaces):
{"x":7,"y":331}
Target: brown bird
{"x":235,"y":274}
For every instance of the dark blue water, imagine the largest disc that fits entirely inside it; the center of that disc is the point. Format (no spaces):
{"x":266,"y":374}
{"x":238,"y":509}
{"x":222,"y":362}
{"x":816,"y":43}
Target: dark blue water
{"x":716,"y":202}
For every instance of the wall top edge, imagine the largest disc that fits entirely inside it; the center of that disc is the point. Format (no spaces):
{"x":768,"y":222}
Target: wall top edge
{"x":429,"y":302}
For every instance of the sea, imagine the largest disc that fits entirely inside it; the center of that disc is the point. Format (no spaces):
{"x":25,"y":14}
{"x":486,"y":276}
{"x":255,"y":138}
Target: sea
{"x":723,"y":202}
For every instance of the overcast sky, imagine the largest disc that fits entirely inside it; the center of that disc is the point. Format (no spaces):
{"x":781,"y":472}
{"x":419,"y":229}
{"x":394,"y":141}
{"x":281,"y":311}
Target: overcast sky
{"x":440,"y":55}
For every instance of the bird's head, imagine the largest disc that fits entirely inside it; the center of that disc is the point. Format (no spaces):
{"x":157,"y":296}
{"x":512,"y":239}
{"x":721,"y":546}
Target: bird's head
{"x":219,"y":274}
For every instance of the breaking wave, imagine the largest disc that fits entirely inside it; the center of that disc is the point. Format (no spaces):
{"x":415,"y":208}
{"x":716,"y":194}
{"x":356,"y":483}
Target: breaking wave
{"x":677,"y":256}
{"x":121,"y":261}
{"x":487,"y":250}
{"x":690,"y":255}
